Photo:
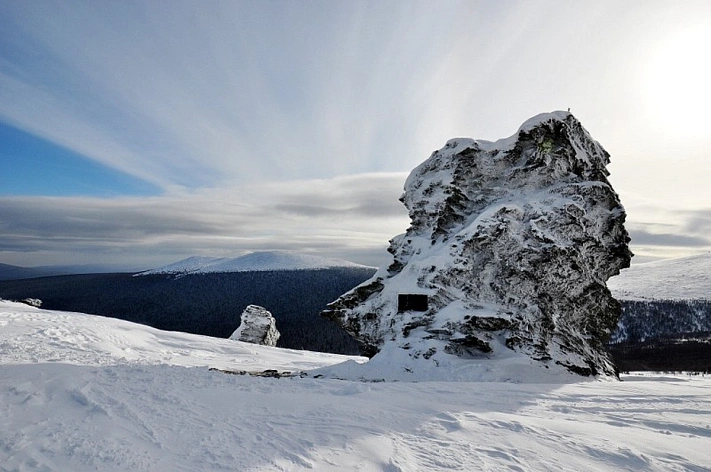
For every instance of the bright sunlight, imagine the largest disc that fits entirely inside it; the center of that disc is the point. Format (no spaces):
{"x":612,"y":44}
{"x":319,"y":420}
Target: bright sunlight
{"x":679,"y":83}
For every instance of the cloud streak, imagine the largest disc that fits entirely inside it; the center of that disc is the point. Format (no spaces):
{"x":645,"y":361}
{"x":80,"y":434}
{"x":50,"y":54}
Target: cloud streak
{"x":189,"y":96}
{"x":351,"y":217}
{"x":248,"y":115}
{"x":645,"y":238}
{"x":155,"y":230}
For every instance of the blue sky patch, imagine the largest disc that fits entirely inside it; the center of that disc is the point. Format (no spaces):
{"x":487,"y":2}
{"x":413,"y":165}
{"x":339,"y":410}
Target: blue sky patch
{"x":34,"y":166}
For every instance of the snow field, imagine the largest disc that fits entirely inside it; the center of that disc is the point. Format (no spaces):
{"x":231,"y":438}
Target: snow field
{"x":31,"y":335}
{"x":80,"y":393}
{"x":683,"y":278}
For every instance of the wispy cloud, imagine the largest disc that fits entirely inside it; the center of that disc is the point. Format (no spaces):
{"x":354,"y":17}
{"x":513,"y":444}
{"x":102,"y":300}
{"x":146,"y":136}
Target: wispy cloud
{"x":246,"y":114}
{"x":645,"y":238}
{"x":663,"y":231}
{"x":333,"y":217}
{"x":351,"y":217}
{"x":699,"y":222}
{"x":192,"y":94}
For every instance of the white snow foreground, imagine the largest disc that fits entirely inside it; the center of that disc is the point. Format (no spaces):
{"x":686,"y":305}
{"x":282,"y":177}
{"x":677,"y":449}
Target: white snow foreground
{"x":81,"y":392}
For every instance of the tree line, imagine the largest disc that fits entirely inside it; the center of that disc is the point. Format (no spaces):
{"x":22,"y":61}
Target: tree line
{"x":657,"y":335}
{"x":208,"y":304}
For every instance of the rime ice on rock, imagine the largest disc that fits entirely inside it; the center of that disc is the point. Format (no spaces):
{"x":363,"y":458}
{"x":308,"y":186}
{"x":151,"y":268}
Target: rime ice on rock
{"x":257,"y":326}
{"x":513,"y":242}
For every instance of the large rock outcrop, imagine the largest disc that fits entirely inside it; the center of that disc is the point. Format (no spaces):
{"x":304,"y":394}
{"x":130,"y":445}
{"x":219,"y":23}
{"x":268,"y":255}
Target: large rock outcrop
{"x":512,"y":242}
{"x":257,"y":326}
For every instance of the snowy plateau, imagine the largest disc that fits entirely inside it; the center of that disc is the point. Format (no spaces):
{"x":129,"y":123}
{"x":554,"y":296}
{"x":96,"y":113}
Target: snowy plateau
{"x":683,"y":278}
{"x":669,"y":298}
{"x":81,"y":392}
{"x":255,"y":261}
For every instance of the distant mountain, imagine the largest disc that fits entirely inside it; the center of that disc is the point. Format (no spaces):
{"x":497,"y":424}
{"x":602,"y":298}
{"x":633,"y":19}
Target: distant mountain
{"x":253,"y":262}
{"x":11,"y":272}
{"x":685,"y":278}
{"x":185,"y":266}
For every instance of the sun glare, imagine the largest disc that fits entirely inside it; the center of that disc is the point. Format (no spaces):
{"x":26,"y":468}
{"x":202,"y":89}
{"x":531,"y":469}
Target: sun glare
{"x":679,"y":84}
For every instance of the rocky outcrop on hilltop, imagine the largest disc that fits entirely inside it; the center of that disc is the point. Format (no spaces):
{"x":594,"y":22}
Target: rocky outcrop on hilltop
{"x":511,"y":242}
{"x":35,"y":302}
{"x":257,"y":326}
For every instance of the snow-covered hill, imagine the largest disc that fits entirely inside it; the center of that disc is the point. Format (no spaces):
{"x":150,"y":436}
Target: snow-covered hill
{"x":685,"y":278}
{"x":32,"y":335}
{"x":11,"y":272}
{"x":80,"y":392}
{"x":256,"y":261}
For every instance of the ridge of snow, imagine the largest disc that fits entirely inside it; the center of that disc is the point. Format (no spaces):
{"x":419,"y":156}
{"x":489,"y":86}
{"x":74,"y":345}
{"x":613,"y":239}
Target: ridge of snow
{"x":252,"y":262}
{"x":682,"y":278}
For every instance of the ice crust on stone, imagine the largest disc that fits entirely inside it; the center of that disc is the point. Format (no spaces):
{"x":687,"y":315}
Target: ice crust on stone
{"x":513,"y":242}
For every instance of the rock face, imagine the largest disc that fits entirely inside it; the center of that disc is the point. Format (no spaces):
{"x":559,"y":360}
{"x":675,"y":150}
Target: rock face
{"x":512,"y":242}
{"x":257,"y":326}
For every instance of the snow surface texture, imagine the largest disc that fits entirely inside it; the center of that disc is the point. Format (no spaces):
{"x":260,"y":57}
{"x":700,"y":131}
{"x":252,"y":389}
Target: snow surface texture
{"x":257,"y":326}
{"x":684,"y":278}
{"x":512,"y":242}
{"x":86,"y":393}
{"x":31,"y":335}
{"x":255,"y":261}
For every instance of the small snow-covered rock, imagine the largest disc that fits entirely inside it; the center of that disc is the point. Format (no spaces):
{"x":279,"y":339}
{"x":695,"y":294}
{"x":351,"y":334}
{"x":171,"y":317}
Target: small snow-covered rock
{"x":35,"y":302}
{"x":512,"y":242}
{"x":257,"y":326}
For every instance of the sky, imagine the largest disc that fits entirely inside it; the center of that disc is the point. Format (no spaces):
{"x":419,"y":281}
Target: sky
{"x":137,"y":133}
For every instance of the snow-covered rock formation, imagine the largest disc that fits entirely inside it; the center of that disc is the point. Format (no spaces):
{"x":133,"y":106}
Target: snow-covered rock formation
{"x":512,"y":242}
{"x":35,"y":302}
{"x":257,"y":326}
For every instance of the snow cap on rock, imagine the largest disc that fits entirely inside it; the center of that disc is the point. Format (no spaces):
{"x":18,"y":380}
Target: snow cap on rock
{"x":512,"y":242}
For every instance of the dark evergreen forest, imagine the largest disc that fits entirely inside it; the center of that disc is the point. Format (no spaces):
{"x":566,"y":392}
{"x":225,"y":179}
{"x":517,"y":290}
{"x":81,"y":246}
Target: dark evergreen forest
{"x":663,"y":335}
{"x":658,"y":319}
{"x":653,"y":335}
{"x":685,"y":353}
{"x":208,"y":304}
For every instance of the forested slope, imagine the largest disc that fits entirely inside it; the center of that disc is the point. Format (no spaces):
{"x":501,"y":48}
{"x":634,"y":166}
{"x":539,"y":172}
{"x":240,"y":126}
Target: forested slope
{"x":208,"y":304}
